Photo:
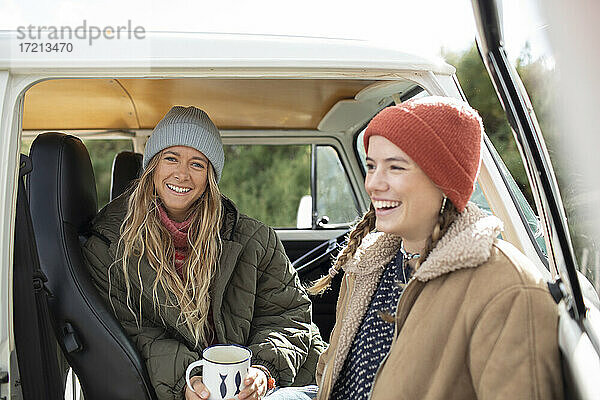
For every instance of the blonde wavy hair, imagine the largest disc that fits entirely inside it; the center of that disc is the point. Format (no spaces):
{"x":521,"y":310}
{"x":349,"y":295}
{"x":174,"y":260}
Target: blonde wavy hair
{"x":144,"y":235}
{"x":367,"y":225}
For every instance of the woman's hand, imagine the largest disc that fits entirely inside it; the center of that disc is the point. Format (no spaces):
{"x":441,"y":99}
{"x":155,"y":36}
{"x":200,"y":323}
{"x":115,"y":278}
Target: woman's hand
{"x":201,"y":392}
{"x":256,"y":385}
{"x":255,"y":382}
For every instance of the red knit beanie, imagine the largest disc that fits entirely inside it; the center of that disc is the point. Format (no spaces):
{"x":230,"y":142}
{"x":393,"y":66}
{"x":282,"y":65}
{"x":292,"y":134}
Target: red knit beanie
{"x":442,"y":135}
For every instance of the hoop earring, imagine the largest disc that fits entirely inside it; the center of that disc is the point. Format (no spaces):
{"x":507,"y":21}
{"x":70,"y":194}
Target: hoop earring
{"x":443,"y":205}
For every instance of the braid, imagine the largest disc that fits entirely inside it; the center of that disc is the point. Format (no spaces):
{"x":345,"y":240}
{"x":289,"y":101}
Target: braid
{"x":445,"y":219}
{"x":362,"y":229}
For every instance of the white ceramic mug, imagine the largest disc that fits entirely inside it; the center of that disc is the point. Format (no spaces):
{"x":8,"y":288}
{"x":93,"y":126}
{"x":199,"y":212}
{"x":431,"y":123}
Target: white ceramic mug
{"x":224,"y":368}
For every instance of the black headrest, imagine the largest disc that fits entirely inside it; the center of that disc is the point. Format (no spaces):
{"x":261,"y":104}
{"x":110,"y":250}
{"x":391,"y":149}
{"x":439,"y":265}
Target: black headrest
{"x":66,"y":177}
{"x":127,"y":167}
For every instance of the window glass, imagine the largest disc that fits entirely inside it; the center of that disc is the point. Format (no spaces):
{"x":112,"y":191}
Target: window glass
{"x":103,"y":152}
{"x":336,"y":203}
{"x":533,"y":222}
{"x":267,"y":182}
{"x":272,"y":183}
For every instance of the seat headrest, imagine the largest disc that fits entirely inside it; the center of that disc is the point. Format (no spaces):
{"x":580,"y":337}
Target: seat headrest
{"x":127,"y":167}
{"x":64,"y":178}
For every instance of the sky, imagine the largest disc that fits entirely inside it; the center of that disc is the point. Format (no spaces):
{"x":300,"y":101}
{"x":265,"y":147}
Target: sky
{"x":424,"y":27}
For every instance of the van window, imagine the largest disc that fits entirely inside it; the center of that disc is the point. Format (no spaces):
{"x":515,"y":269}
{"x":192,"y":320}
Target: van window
{"x":267,"y":182}
{"x":533,"y":221}
{"x":272,"y":183}
{"x":335,"y":200}
{"x":103,"y":152}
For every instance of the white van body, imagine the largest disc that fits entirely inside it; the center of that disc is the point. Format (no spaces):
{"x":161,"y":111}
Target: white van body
{"x":259,"y":64}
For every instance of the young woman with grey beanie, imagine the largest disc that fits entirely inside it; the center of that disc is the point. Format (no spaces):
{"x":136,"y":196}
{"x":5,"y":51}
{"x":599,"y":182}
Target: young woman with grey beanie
{"x":182,"y":269}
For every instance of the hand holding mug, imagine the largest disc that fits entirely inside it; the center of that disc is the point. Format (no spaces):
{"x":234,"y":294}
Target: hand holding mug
{"x":255,"y":382}
{"x":225,"y":374}
{"x":256,"y":385}
{"x":198,"y":391}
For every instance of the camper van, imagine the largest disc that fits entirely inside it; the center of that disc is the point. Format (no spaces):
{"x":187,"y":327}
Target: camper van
{"x":301,"y":99}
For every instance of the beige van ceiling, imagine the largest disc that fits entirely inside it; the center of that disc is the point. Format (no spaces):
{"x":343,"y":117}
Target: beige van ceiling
{"x":98,"y":104}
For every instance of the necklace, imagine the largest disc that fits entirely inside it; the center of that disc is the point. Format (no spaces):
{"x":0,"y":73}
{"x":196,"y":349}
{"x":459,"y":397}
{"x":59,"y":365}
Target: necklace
{"x":406,"y":256}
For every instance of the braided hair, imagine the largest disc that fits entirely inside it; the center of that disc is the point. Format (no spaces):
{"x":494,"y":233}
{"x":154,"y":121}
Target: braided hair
{"x":362,"y":229}
{"x":445,"y":219}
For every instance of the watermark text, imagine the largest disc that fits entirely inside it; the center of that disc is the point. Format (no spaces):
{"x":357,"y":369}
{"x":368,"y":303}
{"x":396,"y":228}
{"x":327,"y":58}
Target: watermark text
{"x":90,"y":33}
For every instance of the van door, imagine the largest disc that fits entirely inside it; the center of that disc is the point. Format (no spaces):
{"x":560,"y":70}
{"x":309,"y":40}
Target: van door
{"x":579,"y":324}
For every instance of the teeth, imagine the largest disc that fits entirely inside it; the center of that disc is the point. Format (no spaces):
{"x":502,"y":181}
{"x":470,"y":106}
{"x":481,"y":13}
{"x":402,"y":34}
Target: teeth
{"x":385,"y":204}
{"x":178,"y":189}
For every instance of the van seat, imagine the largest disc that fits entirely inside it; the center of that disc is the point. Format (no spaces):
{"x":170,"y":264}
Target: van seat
{"x":63,"y":201}
{"x":126,"y":168}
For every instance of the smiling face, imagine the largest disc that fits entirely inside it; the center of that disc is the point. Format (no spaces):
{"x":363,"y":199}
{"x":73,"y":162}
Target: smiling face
{"x":180,"y":178}
{"x":406,"y":201}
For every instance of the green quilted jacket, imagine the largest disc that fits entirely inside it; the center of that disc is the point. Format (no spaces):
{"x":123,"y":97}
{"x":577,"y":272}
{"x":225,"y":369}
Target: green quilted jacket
{"x":257,"y":301}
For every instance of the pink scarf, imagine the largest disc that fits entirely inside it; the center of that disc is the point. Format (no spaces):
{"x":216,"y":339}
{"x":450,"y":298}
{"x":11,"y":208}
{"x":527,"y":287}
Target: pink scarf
{"x":179,"y":233}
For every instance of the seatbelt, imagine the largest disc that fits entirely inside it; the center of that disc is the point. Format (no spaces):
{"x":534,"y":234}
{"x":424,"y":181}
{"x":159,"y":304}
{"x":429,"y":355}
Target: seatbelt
{"x":36,"y":346}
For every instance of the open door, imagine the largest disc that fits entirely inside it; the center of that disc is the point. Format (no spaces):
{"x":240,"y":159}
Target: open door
{"x":579,"y":326}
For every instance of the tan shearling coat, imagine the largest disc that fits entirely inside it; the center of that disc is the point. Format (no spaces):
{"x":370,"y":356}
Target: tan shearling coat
{"x":476,"y":320}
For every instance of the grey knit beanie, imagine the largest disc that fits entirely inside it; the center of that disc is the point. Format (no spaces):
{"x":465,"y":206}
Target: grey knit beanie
{"x":187,"y":126}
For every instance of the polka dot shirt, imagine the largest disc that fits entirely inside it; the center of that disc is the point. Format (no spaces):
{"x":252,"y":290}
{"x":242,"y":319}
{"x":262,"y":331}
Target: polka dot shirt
{"x":374,"y":337}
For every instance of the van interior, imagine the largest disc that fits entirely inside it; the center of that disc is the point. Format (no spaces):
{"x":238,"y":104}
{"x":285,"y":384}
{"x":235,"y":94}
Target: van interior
{"x":311,"y":123}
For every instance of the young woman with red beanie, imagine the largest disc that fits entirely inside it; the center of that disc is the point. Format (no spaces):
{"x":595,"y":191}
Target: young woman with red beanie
{"x":433,"y":304}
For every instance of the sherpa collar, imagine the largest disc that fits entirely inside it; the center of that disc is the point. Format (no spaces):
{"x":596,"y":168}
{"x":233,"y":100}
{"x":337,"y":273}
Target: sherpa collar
{"x":374,"y":252}
{"x":467,"y":244}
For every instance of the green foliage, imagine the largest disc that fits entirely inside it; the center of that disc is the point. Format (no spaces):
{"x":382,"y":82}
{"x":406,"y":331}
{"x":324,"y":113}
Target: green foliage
{"x":480,"y":93}
{"x":26,"y":145}
{"x":102,"y":152}
{"x":267,"y":182}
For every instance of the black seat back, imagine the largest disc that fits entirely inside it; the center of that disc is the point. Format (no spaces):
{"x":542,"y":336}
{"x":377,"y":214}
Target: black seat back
{"x":41,"y":370}
{"x":62,"y":197}
{"x":126,"y":168}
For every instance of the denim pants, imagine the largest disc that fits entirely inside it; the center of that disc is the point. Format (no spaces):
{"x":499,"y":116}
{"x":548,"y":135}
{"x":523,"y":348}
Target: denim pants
{"x":293,"y":393}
